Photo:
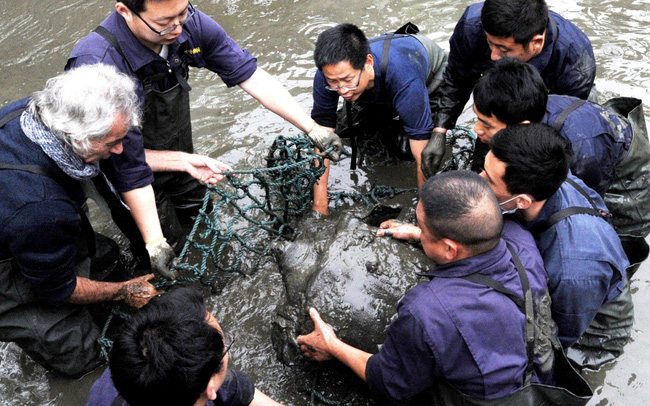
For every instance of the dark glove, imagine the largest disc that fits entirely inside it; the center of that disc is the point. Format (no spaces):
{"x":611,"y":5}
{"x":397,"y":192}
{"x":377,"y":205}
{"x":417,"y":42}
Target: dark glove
{"x":324,"y":140}
{"x":432,"y":154}
{"x":162,"y":258}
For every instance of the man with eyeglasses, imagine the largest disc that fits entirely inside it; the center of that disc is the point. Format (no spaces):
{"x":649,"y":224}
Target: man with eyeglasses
{"x":156,"y":42}
{"x":174,"y":352}
{"x":387,"y":77}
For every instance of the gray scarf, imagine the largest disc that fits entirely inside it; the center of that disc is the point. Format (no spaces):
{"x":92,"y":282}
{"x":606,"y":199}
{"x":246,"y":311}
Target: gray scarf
{"x":65,"y":158}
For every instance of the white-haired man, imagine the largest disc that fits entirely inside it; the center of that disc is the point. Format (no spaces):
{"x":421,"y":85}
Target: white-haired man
{"x":50,"y":143}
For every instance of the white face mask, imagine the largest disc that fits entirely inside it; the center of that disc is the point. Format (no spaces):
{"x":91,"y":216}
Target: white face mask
{"x":507,"y":201}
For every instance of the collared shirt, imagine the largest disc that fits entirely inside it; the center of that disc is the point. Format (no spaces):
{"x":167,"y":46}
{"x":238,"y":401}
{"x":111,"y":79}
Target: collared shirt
{"x":566,"y":63}
{"x":599,"y":139}
{"x":584,"y":259}
{"x":462,"y":332}
{"x":404,"y":88}
{"x":203,"y":42}
{"x":39,"y":224}
{"x":236,"y":390}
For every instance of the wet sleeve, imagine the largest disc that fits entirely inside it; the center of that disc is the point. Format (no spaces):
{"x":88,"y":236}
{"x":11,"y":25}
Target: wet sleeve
{"x":221,"y":53}
{"x":44,"y":237}
{"x":595,"y":161}
{"x":237,"y":390}
{"x":325,"y":102}
{"x":411,"y":102}
{"x":575,"y":302}
{"x":404,"y":367}
{"x":458,"y":78}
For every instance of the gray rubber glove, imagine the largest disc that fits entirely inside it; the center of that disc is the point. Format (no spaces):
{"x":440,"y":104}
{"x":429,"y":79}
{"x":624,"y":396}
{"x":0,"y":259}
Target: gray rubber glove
{"x":432,"y":154}
{"x":162,"y":258}
{"x":324,"y":140}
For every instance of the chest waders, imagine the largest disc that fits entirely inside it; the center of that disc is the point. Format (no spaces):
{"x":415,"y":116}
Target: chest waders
{"x":570,"y":390}
{"x":63,"y":337}
{"x":167,"y":127}
{"x":610,"y":330}
{"x":360,"y":117}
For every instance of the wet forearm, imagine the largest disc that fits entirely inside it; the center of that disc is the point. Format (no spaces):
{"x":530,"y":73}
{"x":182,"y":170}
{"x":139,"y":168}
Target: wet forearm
{"x":88,"y":291}
{"x":142,"y":203}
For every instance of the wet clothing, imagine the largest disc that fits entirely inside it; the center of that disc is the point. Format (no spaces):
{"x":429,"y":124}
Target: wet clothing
{"x":585,"y":263}
{"x":237,"y":390}
{"x":42,"y":251}
{"x":465,"y":333}
{"x":566,"y":63}
{"x":412,"y":72}
{"x":164,"y":96}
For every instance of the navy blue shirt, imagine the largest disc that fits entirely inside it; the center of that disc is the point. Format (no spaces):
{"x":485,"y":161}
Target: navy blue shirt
{"x":39,"y":225}
{"x":460,"y":331}
{"x":237,"y":390}
{"x":404,"y":88}
{"x":599,"y":138}
{"x":584,"y":259}
{"x":566,"y":63}
{"x":203,"y":42}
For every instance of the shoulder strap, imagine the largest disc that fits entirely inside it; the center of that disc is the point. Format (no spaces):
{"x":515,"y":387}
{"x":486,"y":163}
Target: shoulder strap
{"x":559,"y":121}
{"x":525,"y":306}
{"x":118,"y":401}
{"x":108,"y":36}
{"x":570,"y":211}
{"x":10,"y":116}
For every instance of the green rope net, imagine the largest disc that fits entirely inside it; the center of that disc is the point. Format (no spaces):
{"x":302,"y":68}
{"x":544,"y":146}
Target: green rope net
{"x":244,"y":214}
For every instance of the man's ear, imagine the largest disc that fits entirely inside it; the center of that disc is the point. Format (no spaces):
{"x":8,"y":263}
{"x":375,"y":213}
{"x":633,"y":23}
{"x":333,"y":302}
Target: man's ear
{"x":537,"y":43}
{"x":369,"y":60}
{"x":123,"y":10}
{"x":524,"y":201}
{"x":452,"y":249}
{"x":211,"y":389}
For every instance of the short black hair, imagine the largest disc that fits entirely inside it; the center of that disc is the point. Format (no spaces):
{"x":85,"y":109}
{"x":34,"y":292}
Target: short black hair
{"x":461,"y":206}
{"x":537,"y":159}
{"x":137,"y":6}
{"x":512,"y":91}
{"x":345,"y":42}
{"x":520,"y":19}
{"x":167,"y":352}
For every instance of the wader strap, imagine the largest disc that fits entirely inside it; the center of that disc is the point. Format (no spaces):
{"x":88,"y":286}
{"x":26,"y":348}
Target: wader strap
{"x":525,"y":306}
{"x":559,"y":121}
{"x":118,"y":401}
{"x":4,"y":120}
{"x":353,"y":138}
{"x":570,"y":211}
{"x":108,"y":36}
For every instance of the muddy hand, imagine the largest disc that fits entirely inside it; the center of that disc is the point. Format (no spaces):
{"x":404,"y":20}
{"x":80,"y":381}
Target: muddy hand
{"x":315,"y":345}
{"x":137,"y":292}
{"x":399,"y":231}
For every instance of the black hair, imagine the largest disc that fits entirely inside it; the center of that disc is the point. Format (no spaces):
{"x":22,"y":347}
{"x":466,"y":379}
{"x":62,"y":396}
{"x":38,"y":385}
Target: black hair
{"x":167,"y":352}
{"x":520,"y":19}
{"x":460,"y":206}
{"x":345,"y":42}
{"x":512,"y":91}
{"x":137,"y":6}
{"x":537,"y":159}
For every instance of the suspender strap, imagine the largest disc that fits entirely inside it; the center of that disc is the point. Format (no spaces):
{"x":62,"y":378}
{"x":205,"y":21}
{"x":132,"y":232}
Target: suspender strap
{"x":108,"y":36}
{"x":570,"y":211}
{"x":525,"y":306}
{"x":118,"y":401}
{"x":559,"y":121}
{"x":353,"y":137}
{"x":4,"y":120}
{"x":85,"y":223}
{"x":384,"y":55}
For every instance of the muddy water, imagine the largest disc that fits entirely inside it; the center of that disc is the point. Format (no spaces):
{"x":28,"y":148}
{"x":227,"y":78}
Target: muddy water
{"x":37,"y":36}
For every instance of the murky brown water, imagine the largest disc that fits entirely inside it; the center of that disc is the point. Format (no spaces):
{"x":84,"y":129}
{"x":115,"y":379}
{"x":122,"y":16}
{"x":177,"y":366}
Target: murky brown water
{"x":37,"y":36}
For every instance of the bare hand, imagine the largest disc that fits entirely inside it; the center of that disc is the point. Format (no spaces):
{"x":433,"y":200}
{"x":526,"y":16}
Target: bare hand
{"x":137,"y":292}
{"x":316,"y":344}
{"x":399,"y":231}
{"x":206,"y":169}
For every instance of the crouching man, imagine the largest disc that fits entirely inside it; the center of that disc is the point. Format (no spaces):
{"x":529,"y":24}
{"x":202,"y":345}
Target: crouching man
{"x":464,"y":333}
{"x":50,"y":143}
{"x":174,"y":352}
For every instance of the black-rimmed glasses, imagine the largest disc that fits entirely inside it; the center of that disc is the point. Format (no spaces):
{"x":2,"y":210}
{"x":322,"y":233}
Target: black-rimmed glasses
{"x":345,"y":88}
{"x":189,"y":13}
{"x":228,"y":340}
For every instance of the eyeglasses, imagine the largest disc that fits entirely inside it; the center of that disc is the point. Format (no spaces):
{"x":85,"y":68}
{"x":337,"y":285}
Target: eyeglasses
{"x":228,"y":340}
{"x":189,"y":13}
{"x":345,"y":88}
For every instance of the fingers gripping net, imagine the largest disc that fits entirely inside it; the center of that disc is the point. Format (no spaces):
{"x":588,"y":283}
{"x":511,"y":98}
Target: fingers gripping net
{"x":249,"y":206}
